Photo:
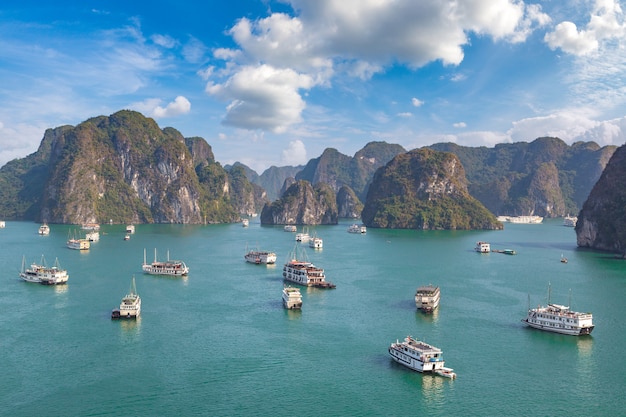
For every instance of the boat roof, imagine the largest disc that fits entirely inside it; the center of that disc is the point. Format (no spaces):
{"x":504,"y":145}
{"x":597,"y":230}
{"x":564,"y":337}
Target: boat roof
{"x":427,"y":288}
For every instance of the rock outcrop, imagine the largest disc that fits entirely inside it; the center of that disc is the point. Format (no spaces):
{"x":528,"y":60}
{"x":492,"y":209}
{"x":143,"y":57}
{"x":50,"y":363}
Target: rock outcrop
{"x":302,"y":204}
{"x":424,"y":189}
{"x":602,"y":221}
{"x":348,"y":204}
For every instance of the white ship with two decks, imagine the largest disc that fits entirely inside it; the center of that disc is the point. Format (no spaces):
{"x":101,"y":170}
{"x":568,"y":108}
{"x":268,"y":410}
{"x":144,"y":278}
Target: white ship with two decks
{"x":427,"y":298}
{"x":169,"y":267}
{"x":41,"y":274}
{"x":44,"y":229}
{"x":292,"y":299}
{"x":130,"y":307}
{"x":559,"y":319}
{"x":299,"y":270}
{"x":420,"y":356}
{"x":256,"y":256}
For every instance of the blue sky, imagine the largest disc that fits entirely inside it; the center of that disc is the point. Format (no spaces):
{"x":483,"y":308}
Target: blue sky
{"x":277,"y":82}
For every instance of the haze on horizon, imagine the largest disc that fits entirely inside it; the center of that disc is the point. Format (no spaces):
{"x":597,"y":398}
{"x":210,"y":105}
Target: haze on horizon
{"x":270,"y":82}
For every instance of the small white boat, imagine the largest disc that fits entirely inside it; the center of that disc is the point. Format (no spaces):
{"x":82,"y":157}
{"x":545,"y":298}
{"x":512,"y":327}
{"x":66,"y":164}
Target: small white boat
{"x":2,"y":224}
{"x":130,"y":228}
{"x":90,"y":226}
{"x":355,"y":228}
{"x":168,"y":267}
{"x":521,"y":219}
{"x":420,"y":356}
{"x":44,"y":229}
{"x":290,"y":228}
{"x":42,"y":274}
{"x":93,"y":236}
{"x":256,"y":256}
{"x":130,"y":307}
{"x":303,"y":236}
{"x":559,"y":319}
{"x":127,"y":236}
{"x":77,"y":243}
{"x":482,"y":247}
{"x":245,"y":222}
{"x":427,"y":298}
{"x":316,"y":242}
{"x":570,"y":221}
{"x":292,"y":299}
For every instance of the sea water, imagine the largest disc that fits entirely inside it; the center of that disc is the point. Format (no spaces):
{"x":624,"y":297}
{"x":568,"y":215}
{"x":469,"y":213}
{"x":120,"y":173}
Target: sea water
{"x":219,"y":342}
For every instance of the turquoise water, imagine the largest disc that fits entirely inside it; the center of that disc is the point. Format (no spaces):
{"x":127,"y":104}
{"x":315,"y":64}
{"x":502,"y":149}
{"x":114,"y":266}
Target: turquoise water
{"x":219,"y":342}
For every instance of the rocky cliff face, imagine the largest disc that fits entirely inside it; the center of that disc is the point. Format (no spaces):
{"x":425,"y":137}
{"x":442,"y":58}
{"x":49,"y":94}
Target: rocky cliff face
{"x":302,"y":204}
{"x":424,"y":189}
{"x":348,"y":204}
{"x":545,"y":177}
{"x":602,"y":220}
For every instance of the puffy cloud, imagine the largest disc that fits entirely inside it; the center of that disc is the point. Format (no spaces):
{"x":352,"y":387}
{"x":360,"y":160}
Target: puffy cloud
{"x":179,"y":106}
{"x":164,"y":41}
{"x":460,"y":125}
{"x":354,"y":38}
{"x":295,"y":154}
{"x":606,"y":23}
{"x":262,"y":97}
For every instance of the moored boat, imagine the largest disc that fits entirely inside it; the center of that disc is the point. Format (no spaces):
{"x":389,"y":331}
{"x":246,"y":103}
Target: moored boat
{"x":299,"y":270}
{"x":292,"y":299}
{"x":521,"y":219}
{"x":427,"y":298}
{"x":168,"y":267}
{"x":559,"y":319}
{"x":245,"y":222}
{"x":355,"y":228}
{"x":420,"y":356}
{"x":44,"y":229}
{"x":41,"y":274}
{"x":90,"y":226}
{"x":303,"y":236}
{"x":77,"y":243}
{"x":290,"y":228}
{"x":482,"y":247}
{"x":130,"y":228}
{"x":570,"y":221}
{"x":130,"y":307}
{"x":93,"y":236}
{"x":316,"y":242}
{"x":256,"y":256}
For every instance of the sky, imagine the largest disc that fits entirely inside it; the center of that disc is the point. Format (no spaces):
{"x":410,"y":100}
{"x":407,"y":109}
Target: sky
{"x":269,"y":82}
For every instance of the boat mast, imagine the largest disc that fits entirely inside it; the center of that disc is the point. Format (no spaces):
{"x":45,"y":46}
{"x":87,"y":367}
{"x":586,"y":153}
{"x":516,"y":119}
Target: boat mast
{"x":549,"y":292}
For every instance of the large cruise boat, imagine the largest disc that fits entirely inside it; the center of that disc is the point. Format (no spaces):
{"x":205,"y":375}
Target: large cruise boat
{"x":78,"y":243}
{"x":420,"y":356}
{"x":559,"y":319}
{"x":427,"y":298}
{"x":260,"y":257}
{"x":521,"y":219}
{"x":130,"y":307}
{"x":168,"y":267}
{"x":355,"y":228}
{"x":42,"y":274}
{"x":292,"y":299}
{"x":316,"y":242}
{"x":570,"y":221}
{"x":303,"y":272}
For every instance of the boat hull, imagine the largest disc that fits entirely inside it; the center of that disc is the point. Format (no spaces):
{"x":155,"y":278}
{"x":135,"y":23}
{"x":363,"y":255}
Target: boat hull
{"x":576,"y":331}
{"x":413,"y":363}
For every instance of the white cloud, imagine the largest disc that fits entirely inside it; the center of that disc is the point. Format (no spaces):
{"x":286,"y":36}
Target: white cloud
{"x":295,"y":154}
{"x":179,"y":106}
{"x":165,"y":41}
{"x":262,"y":97}
{"x":459,"y":125}
{"x":194,"y":50}
{"x":353,"y":38}
{"x":416,"y":102}
{"x":606,"y":24}
{"x":405,"y":114}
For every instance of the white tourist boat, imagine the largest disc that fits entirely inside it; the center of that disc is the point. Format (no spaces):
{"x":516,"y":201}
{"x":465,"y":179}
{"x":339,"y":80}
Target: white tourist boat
{"x":77,"y":243}
{"x":292,"y":299}
{"x":303,"y":236}
{"x":130,"y":307}
{"x":420,"y":356}
{"x":355,"y":228}
{"x":168,"y":267}
{"x":42,"y":274}
{"x":130,"y":228}
{"x":521,"y":219}
{"x":44,"y":229}
{"x":299,"y":270}
{"x":570,"y":221}
{"x":316,"y":242}
{"x":559,"y":319}
{"x":482,"y":247}
{"x":245,"y":222}
{"x":90,"y":226}
{"x":290,"y":228}
{"x":93,"y":236}
{"x":2,"y":224}
{"x":256,"y":256}
{"x":427,"y":298}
